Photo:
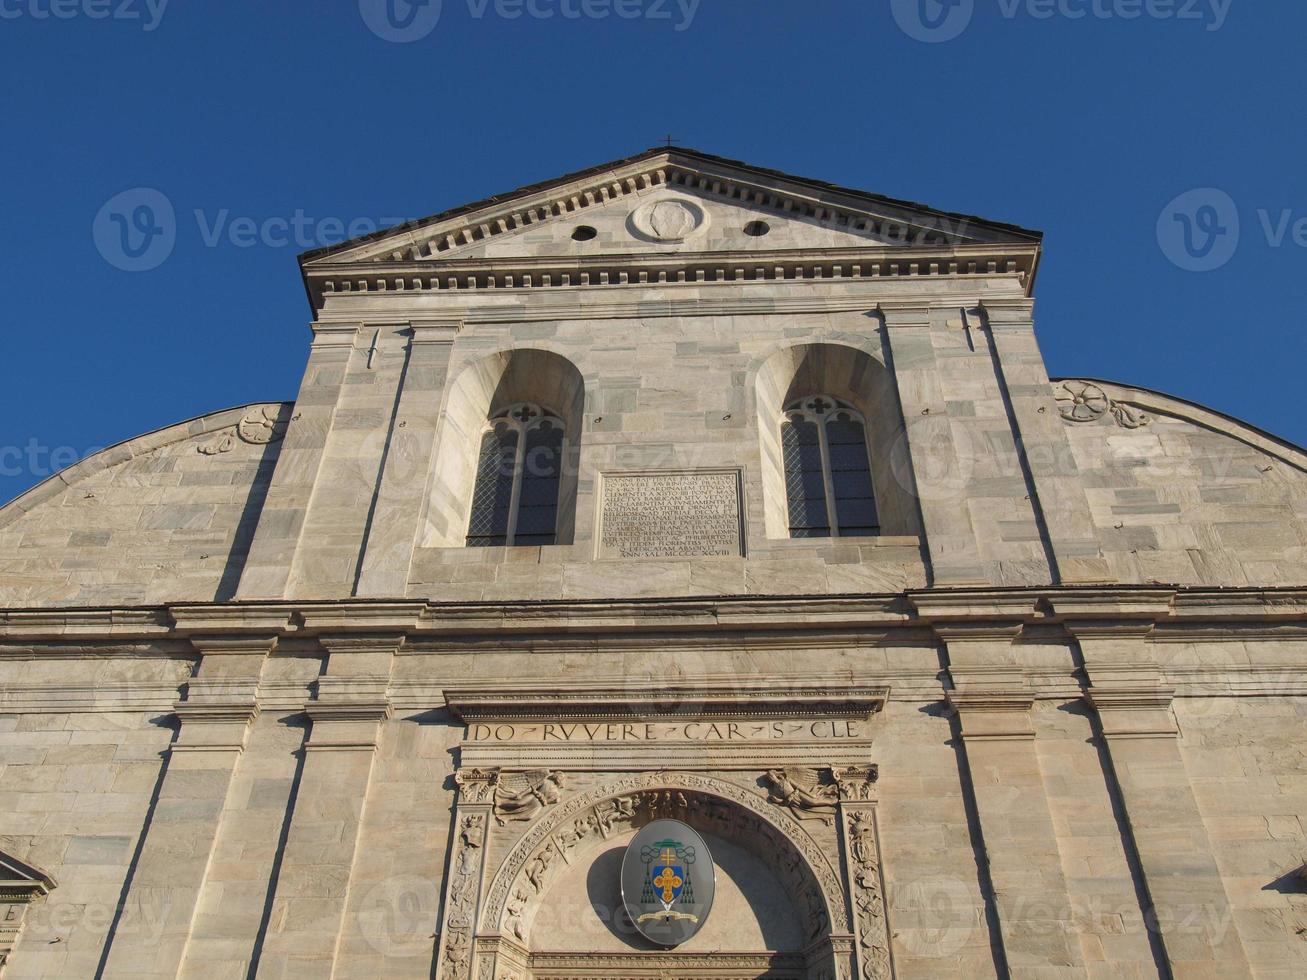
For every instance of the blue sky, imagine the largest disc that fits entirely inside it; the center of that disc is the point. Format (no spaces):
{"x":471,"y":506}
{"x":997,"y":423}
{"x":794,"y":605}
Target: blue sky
{"x":256,"y":114}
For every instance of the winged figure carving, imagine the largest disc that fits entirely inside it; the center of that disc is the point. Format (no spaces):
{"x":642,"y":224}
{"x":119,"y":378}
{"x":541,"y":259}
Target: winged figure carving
{"x":521,"y":795}
{"x":803,"y":790}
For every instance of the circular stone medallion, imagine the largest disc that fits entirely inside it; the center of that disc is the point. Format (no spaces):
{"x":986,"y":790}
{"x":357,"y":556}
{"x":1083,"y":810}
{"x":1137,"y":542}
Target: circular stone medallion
{"x":669,"y":220}
{"x":668,"y":880}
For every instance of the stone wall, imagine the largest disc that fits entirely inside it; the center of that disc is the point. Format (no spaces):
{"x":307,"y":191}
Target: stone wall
{"x":168,"y":516}
{"x":1010,"y":832}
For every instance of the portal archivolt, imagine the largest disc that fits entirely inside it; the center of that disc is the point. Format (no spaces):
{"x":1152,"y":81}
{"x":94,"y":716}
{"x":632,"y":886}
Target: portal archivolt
{"x":578,"y":830}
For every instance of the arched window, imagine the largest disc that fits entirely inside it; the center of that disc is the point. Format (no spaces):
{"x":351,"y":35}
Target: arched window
{"x":515,"y":501}
{"x":827,"y":470}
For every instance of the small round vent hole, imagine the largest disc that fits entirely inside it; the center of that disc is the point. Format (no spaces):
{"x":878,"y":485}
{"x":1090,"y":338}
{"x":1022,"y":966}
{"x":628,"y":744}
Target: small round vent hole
{"x":756,"y":229}
{"x":584,"y":233}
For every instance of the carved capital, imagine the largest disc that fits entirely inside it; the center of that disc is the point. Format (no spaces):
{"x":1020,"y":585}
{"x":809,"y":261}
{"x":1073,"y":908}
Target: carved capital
{"x":1140,"y":710}
{"x":857,"y":784}
{"x":327,"y":336}
{"x":476,"y":786}
{"x":993,"y":714}
{"x":434,"y":331}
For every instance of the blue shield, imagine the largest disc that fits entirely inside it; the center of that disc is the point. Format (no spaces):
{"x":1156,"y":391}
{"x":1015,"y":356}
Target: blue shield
{"x":668,"y":874}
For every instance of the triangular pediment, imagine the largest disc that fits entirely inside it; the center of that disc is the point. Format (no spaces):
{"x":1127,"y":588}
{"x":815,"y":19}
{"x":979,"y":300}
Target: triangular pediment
{"x":669,"y":201}
{"x":670,"y":216}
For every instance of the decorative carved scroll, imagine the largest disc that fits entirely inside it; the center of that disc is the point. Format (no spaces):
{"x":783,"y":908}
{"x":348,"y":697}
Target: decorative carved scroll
{"x":1084,"y":401}
{"x":259,"y":427}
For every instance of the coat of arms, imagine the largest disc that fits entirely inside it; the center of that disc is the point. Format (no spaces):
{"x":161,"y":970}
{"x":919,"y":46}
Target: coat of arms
{"x":668,"y":882}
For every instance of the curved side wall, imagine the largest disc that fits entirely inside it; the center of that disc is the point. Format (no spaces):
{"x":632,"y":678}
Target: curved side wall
{"x":166,"y":517}
{"x":1189,"y":496}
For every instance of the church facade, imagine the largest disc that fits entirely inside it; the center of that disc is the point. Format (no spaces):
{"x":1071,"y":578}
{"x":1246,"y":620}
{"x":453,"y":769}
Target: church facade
{"x":676,"y":493}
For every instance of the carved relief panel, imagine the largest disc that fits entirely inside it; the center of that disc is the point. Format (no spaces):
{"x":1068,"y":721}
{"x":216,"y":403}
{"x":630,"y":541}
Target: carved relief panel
{"x":519,"y":831}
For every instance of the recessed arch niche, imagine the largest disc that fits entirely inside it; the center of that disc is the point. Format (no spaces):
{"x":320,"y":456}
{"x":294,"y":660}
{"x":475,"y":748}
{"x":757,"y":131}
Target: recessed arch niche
{"x":859,"y":379}
{"x":481,"y":390}
{"x":554,"y":904}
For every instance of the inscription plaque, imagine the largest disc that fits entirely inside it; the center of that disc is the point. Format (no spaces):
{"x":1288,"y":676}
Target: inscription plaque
{"x":686,"y":514}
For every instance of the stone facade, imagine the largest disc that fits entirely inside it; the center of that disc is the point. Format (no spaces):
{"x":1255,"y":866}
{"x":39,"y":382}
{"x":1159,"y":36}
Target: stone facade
{"x":266,"y":715}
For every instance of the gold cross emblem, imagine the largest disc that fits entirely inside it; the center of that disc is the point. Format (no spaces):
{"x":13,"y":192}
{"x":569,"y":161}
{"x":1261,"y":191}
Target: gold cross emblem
{"x":668,"y":880}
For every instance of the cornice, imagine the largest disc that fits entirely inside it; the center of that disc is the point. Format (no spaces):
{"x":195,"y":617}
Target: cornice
{"x":524,"y":275}
{"x":1199,"y":614}
{"x":690,"y":300}
{"x":778,"y":697}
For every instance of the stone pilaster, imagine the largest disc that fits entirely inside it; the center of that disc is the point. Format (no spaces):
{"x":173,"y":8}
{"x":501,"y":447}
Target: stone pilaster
{"x":860,"y":843}
{"x":992,"y":701}
{"x":470,"y":831}
{"x":938,"y":470}
{"x":397,"y":510}
{"x":1059,"y":488}
{"x":318,"y":861}
{"x":1188,"y":905}
{"x":281,"y":523}
{"x":221,"y":703}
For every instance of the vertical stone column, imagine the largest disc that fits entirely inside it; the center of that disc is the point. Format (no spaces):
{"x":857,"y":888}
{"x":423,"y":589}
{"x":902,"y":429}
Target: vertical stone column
{"x":860,"y":841}
{"x":221,"y":702}
{"x":937,"y":469}
{"x":992,"y":700}
{"x":272,"y":552}
{"x":470,"y":831}
{"x":318,"y":861}
{"x":1189,"y":908}
{"x":393,"y":529}
{"x":1040,"y":433}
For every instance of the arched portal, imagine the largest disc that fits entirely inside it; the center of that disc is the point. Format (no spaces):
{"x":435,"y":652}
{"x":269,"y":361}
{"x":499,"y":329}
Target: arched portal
{"x":781,"y":907}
